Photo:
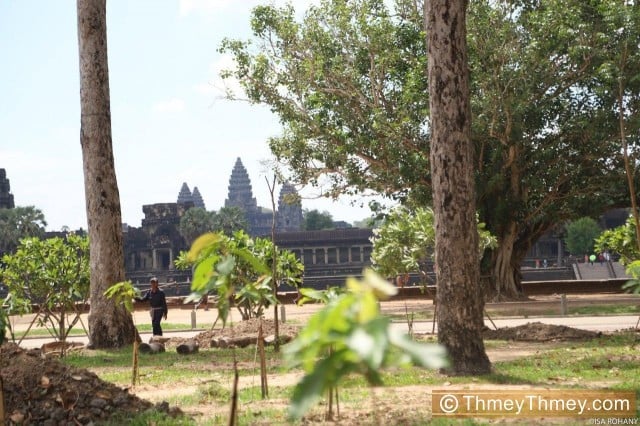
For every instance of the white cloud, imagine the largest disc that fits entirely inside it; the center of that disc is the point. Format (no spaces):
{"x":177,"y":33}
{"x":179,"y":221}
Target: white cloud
{"x":171,"y":105}
{"x":216,"y":85}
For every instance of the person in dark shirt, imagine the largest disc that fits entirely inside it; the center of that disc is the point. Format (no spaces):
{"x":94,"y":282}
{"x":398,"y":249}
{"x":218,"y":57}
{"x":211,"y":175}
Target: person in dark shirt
{"x":158,"y":303}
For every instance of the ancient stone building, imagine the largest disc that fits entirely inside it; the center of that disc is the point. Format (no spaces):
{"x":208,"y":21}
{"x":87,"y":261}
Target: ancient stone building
{"x":185,"y":196}
{"x":197,"y":198}
{"x":6,"y":198}
{"x":289,"y":216}
{"x":152,"y":248}
{"x":329,"y":256}
{"x":259,"y":220}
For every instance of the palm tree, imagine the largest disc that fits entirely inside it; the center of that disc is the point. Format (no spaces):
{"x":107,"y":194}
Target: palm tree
{"x":231,"y":219}
{"x":110,"y":325}
{"x":18,"y":223}
{"x":195,"y":222}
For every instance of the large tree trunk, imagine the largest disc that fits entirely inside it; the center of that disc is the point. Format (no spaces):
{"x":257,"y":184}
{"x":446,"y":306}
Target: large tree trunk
{"x":110,"y":325}
{"x":506,"y":277}
{"x":460,"y":304}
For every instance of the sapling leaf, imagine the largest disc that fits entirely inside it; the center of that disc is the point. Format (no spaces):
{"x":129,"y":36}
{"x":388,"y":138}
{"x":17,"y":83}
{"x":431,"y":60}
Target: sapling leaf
{"x":200,"y":244}
{"x":382,"y":289}
{"x":202,"y":274}
{"x":226,"y":265}
{"x":368,"y":308}
{"x":422,"y":354}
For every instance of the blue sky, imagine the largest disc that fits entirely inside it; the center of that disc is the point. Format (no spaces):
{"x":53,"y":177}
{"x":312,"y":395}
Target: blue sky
{"x":170,"y":124}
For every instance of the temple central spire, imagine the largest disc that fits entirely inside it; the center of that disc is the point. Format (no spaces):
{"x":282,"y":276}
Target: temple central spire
{"x":240,"y":192}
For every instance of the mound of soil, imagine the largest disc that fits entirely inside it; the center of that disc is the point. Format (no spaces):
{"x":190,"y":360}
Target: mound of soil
{"x":44,"y":391}
{"x":245,"y":330}
{"x":539,"y":332}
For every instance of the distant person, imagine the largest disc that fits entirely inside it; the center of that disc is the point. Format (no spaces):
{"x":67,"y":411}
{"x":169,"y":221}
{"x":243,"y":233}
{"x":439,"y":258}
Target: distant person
{"x":204,"y":301}
{"x":158,"y":304}
{"x":592,"y":259}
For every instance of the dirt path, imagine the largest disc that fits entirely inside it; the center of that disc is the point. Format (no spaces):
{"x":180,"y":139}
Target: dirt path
{"x":538,"y":305}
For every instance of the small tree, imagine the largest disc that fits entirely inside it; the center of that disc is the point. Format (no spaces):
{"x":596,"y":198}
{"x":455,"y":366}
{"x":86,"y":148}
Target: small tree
{"x":238,"y":269}
{"x":13,"y":305}
{"x":406,"y":239}
{"x":350,"y":336}
{"x":581,"y":235}
{"x":124,"y":293}
{"x":54,"y":273}
{"x":621,"y":240}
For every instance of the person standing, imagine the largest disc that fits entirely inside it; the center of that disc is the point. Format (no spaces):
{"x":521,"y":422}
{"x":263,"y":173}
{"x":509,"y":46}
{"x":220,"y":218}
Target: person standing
{"x":158,"y":304}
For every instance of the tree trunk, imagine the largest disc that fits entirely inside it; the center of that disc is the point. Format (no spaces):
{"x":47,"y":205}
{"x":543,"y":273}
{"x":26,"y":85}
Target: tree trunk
{"x":505,"y":276}
{"x":110,"y":325}
{"x":460,"y":304}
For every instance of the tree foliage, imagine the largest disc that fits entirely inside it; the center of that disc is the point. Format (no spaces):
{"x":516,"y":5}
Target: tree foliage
{"x":315,"y":220}
{"x":581,"y":236}
{"x":228,"y":220}
{"x":633,"y":285}
{"x":18,"y":223}
{"x":621,"y":240}
{"x":195,"y":222}
{"x":618,"y":79}
{"x":543,"y":133}
{"x":348,"y":82}
{"x":53,"y":273}
{"x":406,"y":240}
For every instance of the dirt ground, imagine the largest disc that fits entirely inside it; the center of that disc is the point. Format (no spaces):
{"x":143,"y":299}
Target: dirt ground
{"x":42,"y":390}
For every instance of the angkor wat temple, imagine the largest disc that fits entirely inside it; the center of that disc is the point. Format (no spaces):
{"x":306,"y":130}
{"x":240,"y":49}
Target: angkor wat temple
{"x":6,"y":198}
{"x":328,"y":256}
{"x":152,"y":248}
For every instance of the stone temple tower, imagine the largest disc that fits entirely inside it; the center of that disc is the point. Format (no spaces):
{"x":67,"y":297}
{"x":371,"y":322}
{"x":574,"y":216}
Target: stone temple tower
{"x":289,"y":216}
{"x":184,"y":196}
{"x":197,"y":198}
{"x":6,"y":198}
{"x":240,"y":192}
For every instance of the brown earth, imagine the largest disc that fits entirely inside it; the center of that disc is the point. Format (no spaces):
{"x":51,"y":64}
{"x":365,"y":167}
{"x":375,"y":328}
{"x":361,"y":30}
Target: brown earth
{"x":42,"y":390}
{"x":539,"y":332}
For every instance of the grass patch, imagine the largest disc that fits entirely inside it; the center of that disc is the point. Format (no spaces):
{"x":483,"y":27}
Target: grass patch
{"x":150,"y":417}
{"x":605,"y":310}
{"x":421,"y":315}
{"x":610,"y":362}
{"x":75,"y":332}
